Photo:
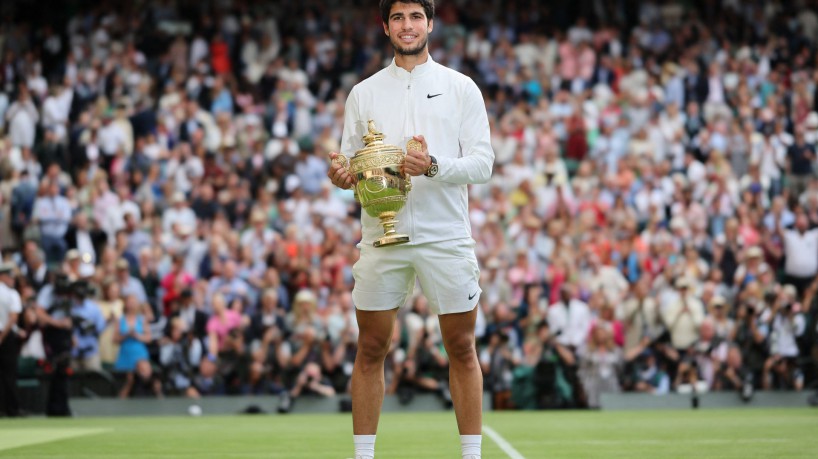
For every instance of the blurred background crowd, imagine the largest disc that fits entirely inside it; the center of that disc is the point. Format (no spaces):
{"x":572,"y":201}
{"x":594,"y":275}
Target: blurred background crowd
{"x":650,"y":225}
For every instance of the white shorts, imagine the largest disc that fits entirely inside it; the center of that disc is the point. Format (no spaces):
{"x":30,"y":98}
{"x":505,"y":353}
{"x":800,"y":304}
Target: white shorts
{"x":448,"y":274}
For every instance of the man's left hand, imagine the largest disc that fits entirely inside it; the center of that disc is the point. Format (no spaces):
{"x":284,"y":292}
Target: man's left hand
{"x":417,"y":162}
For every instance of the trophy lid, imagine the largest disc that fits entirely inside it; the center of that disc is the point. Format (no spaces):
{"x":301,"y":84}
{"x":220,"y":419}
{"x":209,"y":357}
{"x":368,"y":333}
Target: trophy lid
{"x":373,"y":137}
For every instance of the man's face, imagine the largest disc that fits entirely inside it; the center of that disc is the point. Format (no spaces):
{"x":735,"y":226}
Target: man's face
{"x":801,"y":223}
{"x":408,"y":29}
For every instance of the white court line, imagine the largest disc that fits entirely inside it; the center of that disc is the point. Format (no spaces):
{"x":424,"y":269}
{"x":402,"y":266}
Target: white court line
{"x":502,"y":443}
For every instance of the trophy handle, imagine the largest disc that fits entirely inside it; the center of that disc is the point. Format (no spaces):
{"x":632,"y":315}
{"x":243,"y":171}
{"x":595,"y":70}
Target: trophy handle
{"x":341,"y":160}
{"x":412,"y":145}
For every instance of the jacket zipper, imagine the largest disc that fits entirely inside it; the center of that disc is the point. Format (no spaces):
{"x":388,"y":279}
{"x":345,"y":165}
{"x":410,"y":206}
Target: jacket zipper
{"x":410,"y":122}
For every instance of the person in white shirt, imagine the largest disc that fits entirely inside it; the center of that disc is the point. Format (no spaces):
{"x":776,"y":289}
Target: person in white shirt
{"x":259,"y":237}
{"x":570,"y":319}
{"x":10,"y":308}
{"x":52,"y":213}
{"x":684,"y":316}
{"x":640,"y":315}
{"x":415,"y":98}
{"x":22,"y":117}
{"x":180,"y":214}
{"x":787,"y":323}
{"x":800,"y":252}
{"x":111,"y":138}
{"x":56,"y":109}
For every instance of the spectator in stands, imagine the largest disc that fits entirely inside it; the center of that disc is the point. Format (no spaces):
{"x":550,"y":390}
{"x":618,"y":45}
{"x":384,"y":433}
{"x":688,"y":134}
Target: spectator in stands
{"x":570,"y":319}
{"x":132,"y":334}
{"x":599,"y":365}
{"x":223,"y":328}
{"x":112,"y":306}
{"x":800,"y":252}
{"x":88,"y":323}
{"x":10,"y":308}
{"x":142,"y":382}
{"x":787,"y":324}
{"x":52,"y":212}
{"x":179,"y":354}
{"x":553,"y":365}
{"x":683,"y":316}
{"x":497,"y":361}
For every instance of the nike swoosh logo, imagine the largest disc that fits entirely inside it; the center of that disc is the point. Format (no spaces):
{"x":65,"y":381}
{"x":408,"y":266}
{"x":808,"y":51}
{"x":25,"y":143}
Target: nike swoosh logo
{"x":472,"y":295}
{"x":429,"y":96}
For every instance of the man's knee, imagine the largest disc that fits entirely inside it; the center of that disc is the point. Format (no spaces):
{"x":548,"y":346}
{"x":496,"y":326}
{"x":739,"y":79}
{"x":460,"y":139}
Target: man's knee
{"x":372,"y":349}
{"x":461,"y":350}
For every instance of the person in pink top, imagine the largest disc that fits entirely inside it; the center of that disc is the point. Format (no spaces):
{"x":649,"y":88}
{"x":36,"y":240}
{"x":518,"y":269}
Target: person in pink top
{"x":221,"y":325}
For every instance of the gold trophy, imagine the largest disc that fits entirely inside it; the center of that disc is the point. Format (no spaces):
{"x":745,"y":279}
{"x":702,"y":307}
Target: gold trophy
{"x":381,"y":186}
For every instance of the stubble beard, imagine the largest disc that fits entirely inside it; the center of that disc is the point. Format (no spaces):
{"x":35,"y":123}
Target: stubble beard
{"x":410,"y":51}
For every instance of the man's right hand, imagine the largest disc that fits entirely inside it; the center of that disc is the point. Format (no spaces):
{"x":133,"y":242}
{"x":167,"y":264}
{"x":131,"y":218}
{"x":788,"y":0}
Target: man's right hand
{"x":338,"y":174}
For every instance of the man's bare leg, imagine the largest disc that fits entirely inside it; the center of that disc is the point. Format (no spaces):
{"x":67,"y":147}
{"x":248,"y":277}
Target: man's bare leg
{"x":465,"y":377}
{"x":367,"y":376}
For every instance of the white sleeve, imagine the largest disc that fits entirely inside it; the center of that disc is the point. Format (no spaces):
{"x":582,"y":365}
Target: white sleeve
{"x":15,"y":303}
{"x":477,"y":157}
{"x":351,"y":140}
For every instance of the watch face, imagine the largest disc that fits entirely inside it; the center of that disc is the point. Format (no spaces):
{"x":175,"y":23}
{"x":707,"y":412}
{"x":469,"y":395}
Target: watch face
{"x":433,"y":170}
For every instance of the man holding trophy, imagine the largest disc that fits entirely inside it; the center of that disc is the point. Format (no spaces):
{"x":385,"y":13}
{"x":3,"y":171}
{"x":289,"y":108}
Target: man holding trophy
{"x":416,"y":221}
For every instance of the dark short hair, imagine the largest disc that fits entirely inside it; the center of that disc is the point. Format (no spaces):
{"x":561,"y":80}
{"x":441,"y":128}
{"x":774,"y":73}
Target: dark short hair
{"x":428,"y":8}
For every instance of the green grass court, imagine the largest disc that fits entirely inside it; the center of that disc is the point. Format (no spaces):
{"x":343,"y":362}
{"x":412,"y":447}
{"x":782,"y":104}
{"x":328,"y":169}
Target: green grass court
{"x":741,"y":433}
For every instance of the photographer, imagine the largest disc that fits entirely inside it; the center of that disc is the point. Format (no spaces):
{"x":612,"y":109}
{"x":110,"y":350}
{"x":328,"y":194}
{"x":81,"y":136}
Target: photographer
{"x":551,"y":360}
{"x":10,"y":308}
{"x":787,"y":324}
{"x":751,"y":338}
{"x":683,"y":317}
{"x":88,"y":323}
{"x":498,"y":361}
{"x":697,"y":369}
{"x":54,"y":304}
{"x":179,"y":354}
{"x":265,"y":335}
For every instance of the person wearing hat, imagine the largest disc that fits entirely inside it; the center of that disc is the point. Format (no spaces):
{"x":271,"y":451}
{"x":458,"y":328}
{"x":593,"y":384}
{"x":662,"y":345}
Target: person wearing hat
{"x":10,"y":307}
{"x":178,"y":214}
{"x":72,"y":264}
{"x":683,"y":316}
{"x":722,"y":323}
{"x":752,"y":267}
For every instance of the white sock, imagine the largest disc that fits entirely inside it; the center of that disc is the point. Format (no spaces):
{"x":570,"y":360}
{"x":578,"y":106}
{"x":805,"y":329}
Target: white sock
{"x":470,"y":446}
{"x":364,"y":446}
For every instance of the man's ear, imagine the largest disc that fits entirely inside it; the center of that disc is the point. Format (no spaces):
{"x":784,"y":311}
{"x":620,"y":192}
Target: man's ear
{"x":385,"y":28}
{"x":431,"y":26}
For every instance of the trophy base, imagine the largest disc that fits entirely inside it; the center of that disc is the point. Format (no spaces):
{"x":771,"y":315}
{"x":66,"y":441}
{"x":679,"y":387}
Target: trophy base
{"x":392,"y":239}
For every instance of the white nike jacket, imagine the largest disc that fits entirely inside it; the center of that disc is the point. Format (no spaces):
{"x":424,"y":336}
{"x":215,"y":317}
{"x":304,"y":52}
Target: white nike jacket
{"x":447,"y":108}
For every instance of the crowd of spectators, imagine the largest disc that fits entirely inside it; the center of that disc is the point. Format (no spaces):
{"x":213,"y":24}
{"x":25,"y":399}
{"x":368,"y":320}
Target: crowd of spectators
{"x":650,"y":225}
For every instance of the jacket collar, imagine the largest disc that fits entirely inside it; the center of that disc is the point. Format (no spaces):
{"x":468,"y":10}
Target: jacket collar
{"x":418,"y":71}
